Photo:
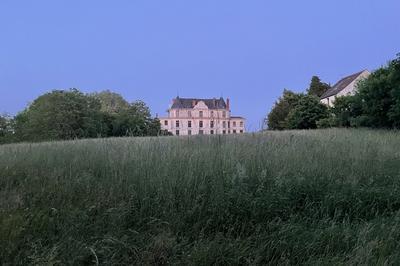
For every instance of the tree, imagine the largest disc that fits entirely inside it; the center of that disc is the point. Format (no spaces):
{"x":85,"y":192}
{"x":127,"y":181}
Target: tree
{"x":394,"y":79}
{"x":306,"y":113}
{"x":347,"y":109}
{"x":377,"y":99}
{"x":276,"y":119}
{"x":3,"y":126}
{"x":136,"y":121}
{"x":59,"y":115}
{"x":111,"y":102}
{"x":317,"y":88}
{"x":6,"y":129}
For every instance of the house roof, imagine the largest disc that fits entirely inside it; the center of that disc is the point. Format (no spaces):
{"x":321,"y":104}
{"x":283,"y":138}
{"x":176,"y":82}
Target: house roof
{"x":189,"y":103}
{"x":341,"y":85}
{"x":237,"y":117}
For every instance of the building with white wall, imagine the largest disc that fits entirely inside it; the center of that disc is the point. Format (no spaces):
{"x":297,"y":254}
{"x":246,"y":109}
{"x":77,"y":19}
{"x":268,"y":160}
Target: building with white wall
{"x":191,"y":116}
{"x":345,"y":86}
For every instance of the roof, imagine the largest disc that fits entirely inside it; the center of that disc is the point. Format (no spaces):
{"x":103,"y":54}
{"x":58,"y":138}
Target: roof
{"x":341,"y":85}
{"x":238,"y":117}
{"x":189,"y":103}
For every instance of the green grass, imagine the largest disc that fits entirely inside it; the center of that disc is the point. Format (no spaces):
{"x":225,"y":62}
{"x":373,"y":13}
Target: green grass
{"x":322,"y":197}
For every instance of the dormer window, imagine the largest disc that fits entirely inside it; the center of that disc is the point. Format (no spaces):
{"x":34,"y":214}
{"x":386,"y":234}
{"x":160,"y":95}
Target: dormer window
{"x":201,"y":114}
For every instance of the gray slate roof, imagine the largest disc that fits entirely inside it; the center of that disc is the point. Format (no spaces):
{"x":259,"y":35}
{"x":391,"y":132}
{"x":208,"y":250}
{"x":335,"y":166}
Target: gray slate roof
{"x":189,"y":103}
{"x":341,"y":85}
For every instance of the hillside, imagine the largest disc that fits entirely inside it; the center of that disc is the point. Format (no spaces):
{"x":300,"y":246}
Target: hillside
{"x":292,"y":197}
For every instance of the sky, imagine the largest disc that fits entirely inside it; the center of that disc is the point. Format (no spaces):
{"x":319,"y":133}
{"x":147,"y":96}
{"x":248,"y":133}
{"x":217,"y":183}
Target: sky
{"x":154,"y":50}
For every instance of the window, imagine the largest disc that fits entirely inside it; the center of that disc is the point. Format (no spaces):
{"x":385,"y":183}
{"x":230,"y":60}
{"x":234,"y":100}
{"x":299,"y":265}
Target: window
{"x":189,"y":123}
{"x":229,"y":124}
{"x":223,"y":114}
{"x":177,"y":123}
{"x":177,"y":113}
{"x":200,"y":123}
{"x":190,"y":113}
{"x":224,"y":124}
{"x":212,"y":124}
{"x":234,"y":123}
{"x":241,"y":123}
{"x":177,"y":132}
{"x":189,"y":132}
{"x":234,"y":131}
{"x":212,"y":113}
{"x":212,"y":132}
{"x":223,"y":131}
{"x":201,"y":113}
{"x":229,"y":132}
{"x":201,"y":132}
{"x":166,"y":122}
{"x":241,"y":131}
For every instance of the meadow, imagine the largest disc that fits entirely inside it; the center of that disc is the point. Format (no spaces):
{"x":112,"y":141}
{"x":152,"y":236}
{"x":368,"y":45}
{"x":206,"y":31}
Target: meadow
{"x":320,"y":197}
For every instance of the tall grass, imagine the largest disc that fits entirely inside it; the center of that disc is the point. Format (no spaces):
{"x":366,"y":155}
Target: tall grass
{"x":298,"y":197}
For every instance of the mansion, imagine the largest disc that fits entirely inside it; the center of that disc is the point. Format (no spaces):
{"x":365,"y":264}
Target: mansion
{"x":188,"y":116}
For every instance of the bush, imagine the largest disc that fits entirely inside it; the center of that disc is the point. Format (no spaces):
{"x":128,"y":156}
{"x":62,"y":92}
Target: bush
{"x":327,"y":122}
{"x":306,"y":113}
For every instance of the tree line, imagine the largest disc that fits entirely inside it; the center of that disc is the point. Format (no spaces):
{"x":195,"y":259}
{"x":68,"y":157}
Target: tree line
{"x":375,"y":104}
{"x":71,"y":114}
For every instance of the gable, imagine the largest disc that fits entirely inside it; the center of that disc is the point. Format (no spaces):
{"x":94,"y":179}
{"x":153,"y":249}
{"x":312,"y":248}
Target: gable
{"x":343,"y":84}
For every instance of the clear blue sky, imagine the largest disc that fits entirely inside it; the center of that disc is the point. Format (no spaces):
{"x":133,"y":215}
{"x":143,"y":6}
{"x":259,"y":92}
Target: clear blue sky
{"x":247,"y":50}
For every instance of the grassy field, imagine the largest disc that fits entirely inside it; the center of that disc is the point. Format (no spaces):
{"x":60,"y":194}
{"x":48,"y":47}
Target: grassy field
{"x":301,"y":197}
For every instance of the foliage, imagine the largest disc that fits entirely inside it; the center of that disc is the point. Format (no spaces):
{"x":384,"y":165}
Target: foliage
{"x":3,"y":126}
{"x":380,"y":97}
{"x":277,"y":118}
{"x":375,"y":94}
{"x":306,"y":113}
{"x":329,"y":122}
{"x":323,"y":197}
{"x":60,"y":115}
{"x":111,"y":102}
{"x":346,"y":110}
{"x":63,"y":115}
{"x":6,"y":129}
{"x":317,"y":88}
{"x":394,"y":77}
{"x":136,"y":121}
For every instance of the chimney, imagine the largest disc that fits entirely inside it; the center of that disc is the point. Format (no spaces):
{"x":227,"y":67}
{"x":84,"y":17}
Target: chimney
{"x":228,"y":104}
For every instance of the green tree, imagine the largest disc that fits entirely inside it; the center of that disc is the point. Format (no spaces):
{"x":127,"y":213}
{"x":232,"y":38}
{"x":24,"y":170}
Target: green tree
{"x":377,"y":99}
{"x":3,"y":126}
{"x":60,"y":114}
{"x":276,"y":119}
{"x":346,"y":110}
{"x":394,"y":79}
{"x":306,"y":113}
{"x":6,"y":129}
{"x":317,"y":88}
{"x":111,"y":102}
{"x":136,"y":121}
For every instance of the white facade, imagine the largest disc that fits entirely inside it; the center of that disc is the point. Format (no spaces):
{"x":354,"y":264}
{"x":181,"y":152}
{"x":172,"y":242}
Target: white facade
{"x":195,"y":117}
{"x":346,"y":86}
